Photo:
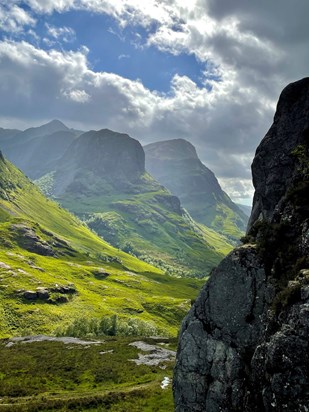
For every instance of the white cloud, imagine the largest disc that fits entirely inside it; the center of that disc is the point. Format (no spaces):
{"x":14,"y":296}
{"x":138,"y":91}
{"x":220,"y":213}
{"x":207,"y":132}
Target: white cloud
{"x":65,"y":34}
{"x":123,"y":56}
{"x":240,"y":190}
{"x":79,"y":96}
{"x":254,"y":48}
{"x":13,"y":18}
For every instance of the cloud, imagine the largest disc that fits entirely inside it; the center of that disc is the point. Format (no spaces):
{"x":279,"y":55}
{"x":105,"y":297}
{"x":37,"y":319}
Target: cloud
{"x":123,"y":56}
{"x":13,"y":18}
{"x":78,"y":96}
{"x":250,"y":51}
{"x":65,"y":34}
{"x":241,"y":190}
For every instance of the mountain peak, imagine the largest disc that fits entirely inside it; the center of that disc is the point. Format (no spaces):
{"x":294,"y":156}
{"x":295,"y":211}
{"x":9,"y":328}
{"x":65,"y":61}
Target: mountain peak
{"x":55,"y":123}
{"x":101,"y":154}
{"x":45,"y":129}
{"x":176,"y":165}
{"x":171,"y":149}
{"x":53,"y":126}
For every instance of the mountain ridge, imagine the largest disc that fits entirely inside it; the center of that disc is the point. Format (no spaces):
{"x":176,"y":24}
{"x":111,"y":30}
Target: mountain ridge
{"x":102,"y":179}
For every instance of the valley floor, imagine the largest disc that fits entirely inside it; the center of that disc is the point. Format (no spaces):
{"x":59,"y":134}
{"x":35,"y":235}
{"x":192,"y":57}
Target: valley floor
{"x":115,"y":374}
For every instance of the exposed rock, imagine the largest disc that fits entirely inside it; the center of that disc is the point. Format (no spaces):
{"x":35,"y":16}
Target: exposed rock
{"x":42,"y":293}
{"x":156,"y":356}
{"x":30,"y":295}
{"x":43,"y":338}
{"x":68,"y":289}
{"x":244,"y":346}
{"x":100,"y":274}
{"x":46,"y":294}
{"x":29,"y":240}
{"x":4,"y":266}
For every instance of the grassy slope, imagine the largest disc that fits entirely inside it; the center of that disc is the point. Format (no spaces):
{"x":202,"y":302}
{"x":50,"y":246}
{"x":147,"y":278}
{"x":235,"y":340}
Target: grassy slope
{"x":220,"y":217}
{"x":146,"y":225}
{"x":132,"y":289}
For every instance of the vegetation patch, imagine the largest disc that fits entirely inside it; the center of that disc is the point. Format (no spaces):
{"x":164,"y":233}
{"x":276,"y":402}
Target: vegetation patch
{"x":46,"y":376}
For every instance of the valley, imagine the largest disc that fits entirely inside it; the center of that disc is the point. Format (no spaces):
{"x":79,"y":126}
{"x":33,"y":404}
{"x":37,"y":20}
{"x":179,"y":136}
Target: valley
{"x":110,"y":256}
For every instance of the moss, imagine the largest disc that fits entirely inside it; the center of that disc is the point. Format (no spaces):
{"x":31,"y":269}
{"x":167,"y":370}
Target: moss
{"x":286,"y":297}
{"x":276,"y":246}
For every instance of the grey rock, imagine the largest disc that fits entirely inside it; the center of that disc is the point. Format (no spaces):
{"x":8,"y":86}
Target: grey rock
{"x":44,"y":338}
{"x":244,"y":345}
{"x":30,"y":295}
{"x":156,"y":356}
{"x":42,"y":293}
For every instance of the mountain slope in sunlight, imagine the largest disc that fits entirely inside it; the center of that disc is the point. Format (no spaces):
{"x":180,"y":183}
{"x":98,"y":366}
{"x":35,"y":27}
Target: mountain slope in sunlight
{"x":54,"y":271}
{"x":102,"y":179}
{"x":175,"y":164}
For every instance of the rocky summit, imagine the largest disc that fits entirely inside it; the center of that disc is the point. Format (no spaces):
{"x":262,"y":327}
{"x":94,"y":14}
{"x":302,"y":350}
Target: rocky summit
{"x":244,"y":344}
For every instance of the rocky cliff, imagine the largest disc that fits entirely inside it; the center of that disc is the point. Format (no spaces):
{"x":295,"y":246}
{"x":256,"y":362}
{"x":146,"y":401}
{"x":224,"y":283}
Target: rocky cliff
{"x":244,"y":344}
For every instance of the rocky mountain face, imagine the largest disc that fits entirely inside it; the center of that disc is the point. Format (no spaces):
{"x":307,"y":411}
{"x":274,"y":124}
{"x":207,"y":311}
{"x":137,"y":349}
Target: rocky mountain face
{"x":36,"y":150}
{"x":244,"y":344}
{"x":99,"y":155}
{"x":176,"y":165}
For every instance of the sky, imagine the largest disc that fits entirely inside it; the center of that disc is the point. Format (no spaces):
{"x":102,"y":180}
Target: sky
{"x":208,"y":71}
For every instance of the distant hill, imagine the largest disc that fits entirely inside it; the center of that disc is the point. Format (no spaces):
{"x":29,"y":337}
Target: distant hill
{"x":36,"y":150}
{"x":175,"y":164}
{"x":245,"y":208}
{"x":102,"y":179}
{"x":55,"y":274}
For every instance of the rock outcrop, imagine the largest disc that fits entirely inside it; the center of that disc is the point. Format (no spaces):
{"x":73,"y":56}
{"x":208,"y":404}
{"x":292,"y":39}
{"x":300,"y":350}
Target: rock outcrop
{"x":244,"y":346}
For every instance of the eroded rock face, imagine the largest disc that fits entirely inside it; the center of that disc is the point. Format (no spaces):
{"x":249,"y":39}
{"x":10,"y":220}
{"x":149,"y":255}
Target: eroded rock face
{"x":244,"y":344}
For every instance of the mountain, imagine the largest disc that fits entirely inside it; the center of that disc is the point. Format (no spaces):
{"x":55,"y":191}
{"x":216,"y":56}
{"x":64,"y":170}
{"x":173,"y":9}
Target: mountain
{"x":57,"y":276}
{"x":244,"y":346}
{"x":175,"y":164}
{"x":37,"y":149}
{"x":245,"y":208}
{"x":101,"y":178}
{"x":7,"y":134}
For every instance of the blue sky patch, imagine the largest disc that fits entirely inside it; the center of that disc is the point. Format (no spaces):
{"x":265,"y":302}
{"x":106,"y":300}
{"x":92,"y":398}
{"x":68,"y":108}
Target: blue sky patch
{"x":115,"y":50}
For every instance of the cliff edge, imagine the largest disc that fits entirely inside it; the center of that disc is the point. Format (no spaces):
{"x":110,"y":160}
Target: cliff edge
{"x":244,"y":344}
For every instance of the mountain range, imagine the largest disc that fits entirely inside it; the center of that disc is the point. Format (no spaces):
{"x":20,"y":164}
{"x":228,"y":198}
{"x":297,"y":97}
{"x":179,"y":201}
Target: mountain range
{"x":53,"y":269}
{"x":101,"y":177}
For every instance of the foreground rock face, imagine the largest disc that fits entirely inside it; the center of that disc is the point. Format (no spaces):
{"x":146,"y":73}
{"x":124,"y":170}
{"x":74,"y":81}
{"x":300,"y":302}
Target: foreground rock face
{"x":244,"y":344}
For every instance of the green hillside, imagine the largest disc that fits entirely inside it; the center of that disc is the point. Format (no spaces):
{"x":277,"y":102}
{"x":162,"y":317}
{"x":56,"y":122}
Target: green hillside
{"x":102,"y":179}
{"x":56,"y":276}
